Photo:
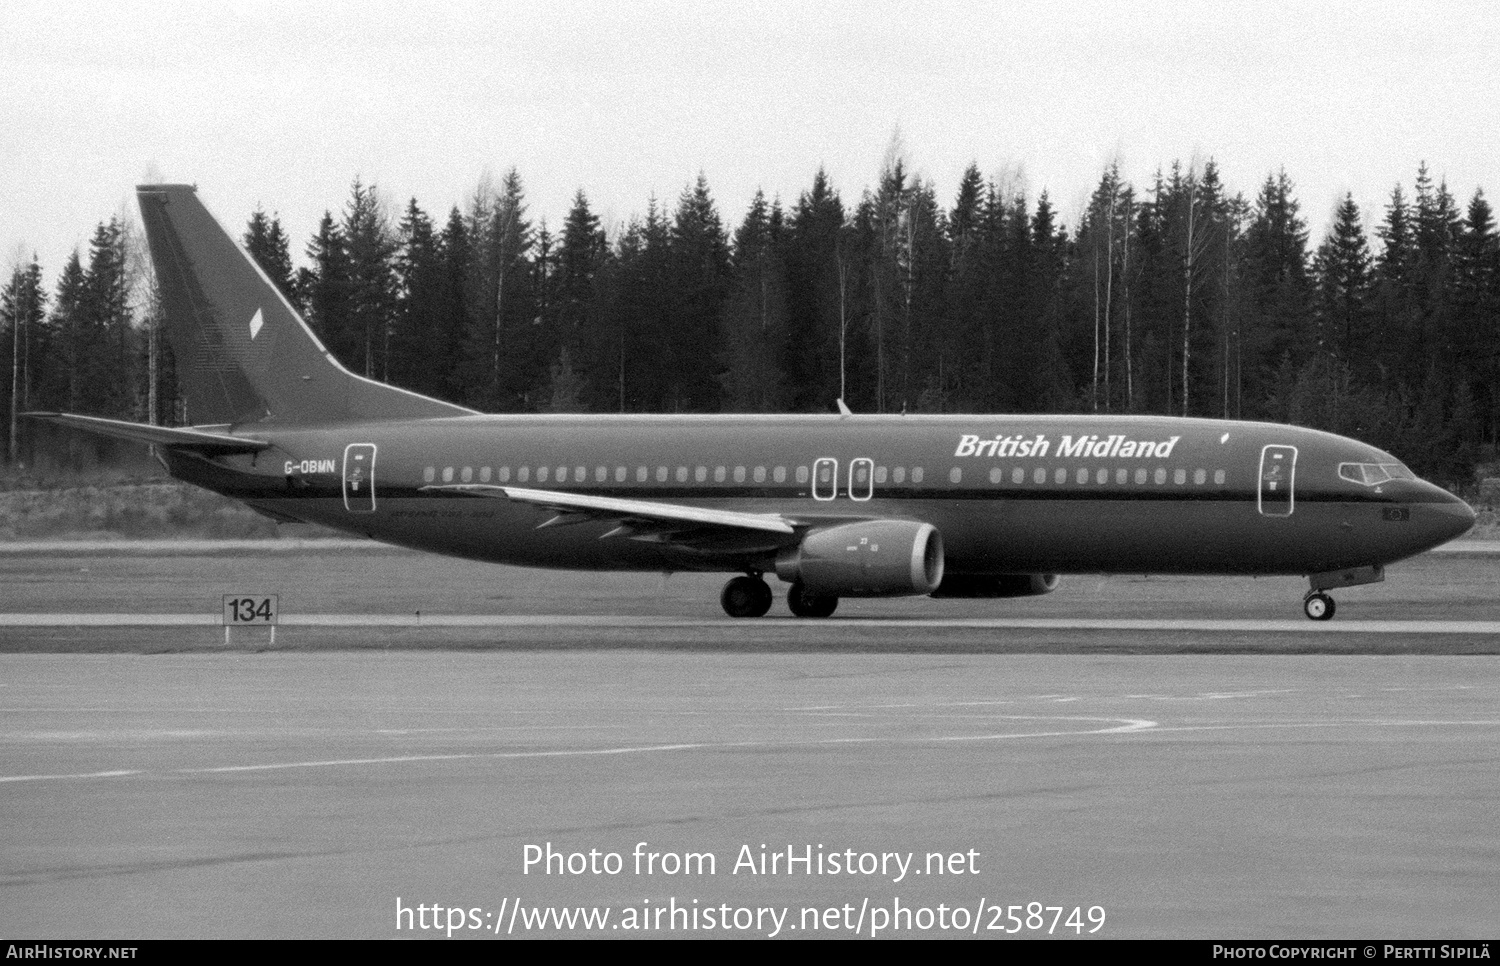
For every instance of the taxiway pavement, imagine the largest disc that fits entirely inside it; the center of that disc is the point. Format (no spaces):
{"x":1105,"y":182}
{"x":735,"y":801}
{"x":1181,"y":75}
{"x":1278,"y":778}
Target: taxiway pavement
{"x":319,"y":794}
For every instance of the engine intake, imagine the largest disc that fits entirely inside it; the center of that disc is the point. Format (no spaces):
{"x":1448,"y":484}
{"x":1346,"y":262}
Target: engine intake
{"x":996,"y":585}
{"x":874,"y":558}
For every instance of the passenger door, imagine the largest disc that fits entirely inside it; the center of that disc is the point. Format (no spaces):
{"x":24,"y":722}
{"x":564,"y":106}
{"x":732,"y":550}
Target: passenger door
{"x":1278,"y":477}
{"x":359,"y":478}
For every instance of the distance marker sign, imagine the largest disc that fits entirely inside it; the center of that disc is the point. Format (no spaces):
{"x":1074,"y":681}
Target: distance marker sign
{"x":246,"y":609}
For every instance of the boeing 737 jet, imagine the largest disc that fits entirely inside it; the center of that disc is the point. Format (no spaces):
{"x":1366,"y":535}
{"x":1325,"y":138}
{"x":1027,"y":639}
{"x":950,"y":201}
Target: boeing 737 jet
{"x":835,"y":506}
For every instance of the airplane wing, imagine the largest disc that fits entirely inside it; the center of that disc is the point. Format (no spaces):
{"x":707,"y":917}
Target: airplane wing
{"x":175,"y":437}
{"x":638,"y":519}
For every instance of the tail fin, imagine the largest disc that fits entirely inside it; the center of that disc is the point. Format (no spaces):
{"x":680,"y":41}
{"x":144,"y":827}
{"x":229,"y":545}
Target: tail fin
{"x":243,"y":354}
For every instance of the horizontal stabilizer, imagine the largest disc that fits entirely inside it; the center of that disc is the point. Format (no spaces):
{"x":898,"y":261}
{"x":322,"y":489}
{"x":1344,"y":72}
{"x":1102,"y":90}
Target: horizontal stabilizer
{"x":614,"y":508}
{"x":177,"y":438}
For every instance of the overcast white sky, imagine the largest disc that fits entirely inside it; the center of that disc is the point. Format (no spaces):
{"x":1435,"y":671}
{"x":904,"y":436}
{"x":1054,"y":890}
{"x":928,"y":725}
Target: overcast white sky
{"x":283,"y":104}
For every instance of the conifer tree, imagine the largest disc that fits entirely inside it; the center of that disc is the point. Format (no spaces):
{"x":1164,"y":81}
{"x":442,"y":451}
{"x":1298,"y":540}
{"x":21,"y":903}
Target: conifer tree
{"x":23,"y":312}
{"x":105,"y":344}
{"x":1342,"y":279}
{"x":969,"y":278}
{"x":1396,"y":326}
{"x":641,"y":302}
{"x":577,"y":313}
{"x":68,"y":323}
{"x":1476,"y":308}
{"x":1434,"y":338}
{"x":507,"y":353}
{"x":326,"y":289}
{"x":371,"y":247}
{"x":698,"y":282}
{"x":1277,"y":304}
{"x":755,"y":317}
{"x":452,"y":313}
{"x":419,"y":351}
{"x":268,"y":245}
{"x":819,"y":297}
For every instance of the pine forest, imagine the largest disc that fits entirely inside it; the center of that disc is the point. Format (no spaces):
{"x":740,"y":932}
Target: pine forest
{"x":1173,"y":297}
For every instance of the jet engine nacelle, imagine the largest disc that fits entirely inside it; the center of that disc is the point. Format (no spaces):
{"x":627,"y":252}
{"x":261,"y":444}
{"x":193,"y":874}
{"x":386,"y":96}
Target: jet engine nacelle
{"x":996,"y":585}
{"x":874,"y":558}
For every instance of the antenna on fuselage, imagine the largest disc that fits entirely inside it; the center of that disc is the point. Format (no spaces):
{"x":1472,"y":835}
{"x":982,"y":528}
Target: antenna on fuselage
{"x":844,"y":411}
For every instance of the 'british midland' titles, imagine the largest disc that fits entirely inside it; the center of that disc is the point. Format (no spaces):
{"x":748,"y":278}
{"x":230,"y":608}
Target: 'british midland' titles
{"x":1038,"y":446}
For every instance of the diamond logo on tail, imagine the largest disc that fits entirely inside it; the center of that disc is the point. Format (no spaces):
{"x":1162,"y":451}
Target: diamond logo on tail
{"x":256,"y":323}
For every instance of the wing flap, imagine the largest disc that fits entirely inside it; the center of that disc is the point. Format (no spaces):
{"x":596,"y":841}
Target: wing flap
{"x":648,"y":512}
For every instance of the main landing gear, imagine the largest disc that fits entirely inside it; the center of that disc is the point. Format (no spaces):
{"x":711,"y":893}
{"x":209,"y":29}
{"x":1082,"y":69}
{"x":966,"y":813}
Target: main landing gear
{"x":746,"y":597}
{"x":1318,"y":606}
{"x":749,"y":596}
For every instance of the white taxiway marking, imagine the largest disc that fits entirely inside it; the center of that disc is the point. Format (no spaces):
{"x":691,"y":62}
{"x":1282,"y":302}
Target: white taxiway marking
{"x":1490,"y":628}
{"x":1112,"y":726}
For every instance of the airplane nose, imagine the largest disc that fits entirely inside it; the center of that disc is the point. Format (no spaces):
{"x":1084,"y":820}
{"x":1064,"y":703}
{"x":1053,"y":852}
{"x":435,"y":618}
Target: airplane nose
{"x":1447,"y":516}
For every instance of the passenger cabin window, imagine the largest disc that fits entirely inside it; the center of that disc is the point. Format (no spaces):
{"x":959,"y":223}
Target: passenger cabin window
{"x":1179,"y":477}
{"x":468,"y":474}
{"x":447,"y":474}
{"x":429,"y":474}
{"x":995,"y":475}
{"x":955,"y":475}
{"x":899,"y":474}
{"x":1218,"y":477}
{"x":916,"y":474}
{"x":619,"y":474}
{"x":682,"y":474}
{"x":1018,"y":475}
{"x":739,"y":474}
{"x":661,"y":474}
{"x":720,"y":473}
{"x":484,"y":474}
{"x":700,"y":474}
{"x":779,"y":475}
{"x":760,"y":474}
{"x":881,"y":473}
{"x":541,"y":474}
{"x":504,"y":474}
{"x":601,"y":474}
{"x":802,"y":474}
{"x":523,"y":474}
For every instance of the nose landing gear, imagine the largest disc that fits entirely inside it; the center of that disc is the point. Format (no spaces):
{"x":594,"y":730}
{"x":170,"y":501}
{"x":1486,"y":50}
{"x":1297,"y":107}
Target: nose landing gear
{"x":1318,"y":606}
{"x":746,"y":597}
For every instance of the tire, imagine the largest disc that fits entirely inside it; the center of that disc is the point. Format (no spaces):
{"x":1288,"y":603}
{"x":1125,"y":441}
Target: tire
{"x":746,"y":597}
{"x":803,"y":604}
{"x":1319,"y":607}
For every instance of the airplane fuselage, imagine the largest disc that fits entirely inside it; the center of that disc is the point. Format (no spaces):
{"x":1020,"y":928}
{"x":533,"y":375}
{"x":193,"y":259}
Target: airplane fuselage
{"x":1009,"y":494}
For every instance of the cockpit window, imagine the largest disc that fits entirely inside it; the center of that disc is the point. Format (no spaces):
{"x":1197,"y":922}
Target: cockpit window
{"x":1373,"y":474}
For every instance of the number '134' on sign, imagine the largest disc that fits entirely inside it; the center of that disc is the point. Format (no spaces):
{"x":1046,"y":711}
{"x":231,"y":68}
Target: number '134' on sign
{"x":245,"y":609}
